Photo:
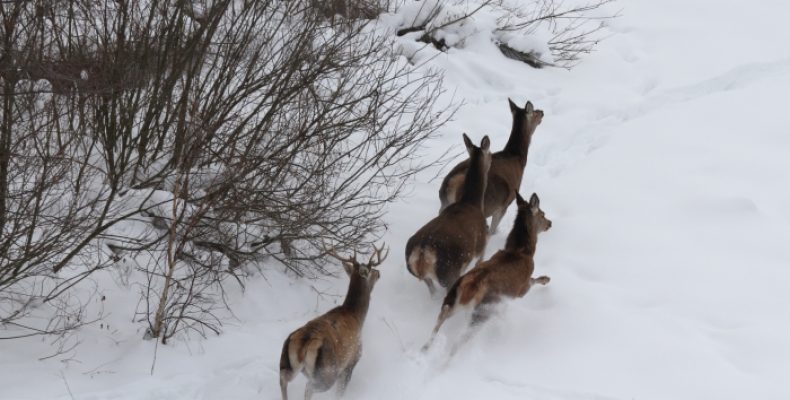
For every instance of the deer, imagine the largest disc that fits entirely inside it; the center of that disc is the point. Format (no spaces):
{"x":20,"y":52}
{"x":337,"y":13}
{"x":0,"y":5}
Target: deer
{"x":507,"y":167}
{"x":507,"y":274}
{"x":442,"y":248}
{"x":327,"y":349}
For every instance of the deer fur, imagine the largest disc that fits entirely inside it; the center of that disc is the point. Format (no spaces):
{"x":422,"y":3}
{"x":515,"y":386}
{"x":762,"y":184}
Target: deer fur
{"x":442,"y":248}
{"x":328,"y":348}
{"x":507,"y":167}
{"x":507,"y":274}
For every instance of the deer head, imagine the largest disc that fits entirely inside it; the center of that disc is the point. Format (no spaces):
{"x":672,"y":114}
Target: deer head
{"x":476,"y":178}
{"x":532,"y":210}
{"x":525,"y":120}
{"x":528,"y":118}
{"x":530,"y":220}
{"x":483,"y":150}
{"x":365,"y":273}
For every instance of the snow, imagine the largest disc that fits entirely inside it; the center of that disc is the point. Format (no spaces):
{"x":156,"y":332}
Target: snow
{"x":450,"y":24}
{"x":412,"y":13}
{"x":662,"y":161}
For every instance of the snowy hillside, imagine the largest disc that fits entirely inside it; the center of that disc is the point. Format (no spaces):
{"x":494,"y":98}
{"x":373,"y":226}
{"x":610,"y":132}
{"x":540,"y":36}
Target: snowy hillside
{"x":662,"y":161}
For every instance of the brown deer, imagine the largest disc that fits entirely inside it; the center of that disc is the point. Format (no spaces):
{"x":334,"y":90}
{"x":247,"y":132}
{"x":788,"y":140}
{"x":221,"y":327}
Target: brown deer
{"x":508,"y":274}
{"x":440,"y":250}
{"x":328,"y":348}
{"x":507,"y":167}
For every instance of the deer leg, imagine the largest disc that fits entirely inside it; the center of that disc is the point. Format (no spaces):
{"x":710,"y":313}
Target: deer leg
{"x":483,"y":310}
{"x":345,"y":375}
{"x":467,"y":335}
{"x":431,"y":286}
{"x":482,"y":255}
{"x":443,"y":315}
{"x":496,"y":218}
{"x":285,"y":377}
{"x":287,"y":372}
{"x":308,"y":391}
{"x":342,"y":383}
{"x":480,"y":315}
{"x":541,"y":279}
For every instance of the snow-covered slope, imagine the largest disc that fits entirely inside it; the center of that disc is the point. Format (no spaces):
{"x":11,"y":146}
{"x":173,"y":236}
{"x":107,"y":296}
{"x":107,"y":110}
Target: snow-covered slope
{"x":662,"y":161}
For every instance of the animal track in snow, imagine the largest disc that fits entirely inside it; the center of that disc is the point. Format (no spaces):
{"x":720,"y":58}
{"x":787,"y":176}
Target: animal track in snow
{"x":736,"y":78}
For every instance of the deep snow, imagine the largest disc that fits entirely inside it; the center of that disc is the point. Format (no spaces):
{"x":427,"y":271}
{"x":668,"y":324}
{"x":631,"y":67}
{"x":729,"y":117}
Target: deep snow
{"x":662,"y":161}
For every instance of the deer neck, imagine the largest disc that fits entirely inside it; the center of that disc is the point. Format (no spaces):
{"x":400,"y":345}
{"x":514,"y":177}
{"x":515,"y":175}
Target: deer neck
{"x":519,"y":140}
{"x":523,"y":238}
{"x":357,"y":298}
{"x":474,"y":183}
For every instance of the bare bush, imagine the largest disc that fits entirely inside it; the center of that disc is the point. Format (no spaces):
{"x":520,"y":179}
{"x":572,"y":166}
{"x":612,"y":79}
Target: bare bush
{"x":209,"y":134}
{"x":571,"y":30}
{"x":575,"y":29}
{"x":352,"y":9}
{"x":53,"y":196}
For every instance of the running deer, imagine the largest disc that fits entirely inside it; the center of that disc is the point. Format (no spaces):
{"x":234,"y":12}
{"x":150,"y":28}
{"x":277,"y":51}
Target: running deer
{"x":328,"y":348}
{"x":507,"y":167}
{"x":440,"y":250}
{"x":508,"y":274}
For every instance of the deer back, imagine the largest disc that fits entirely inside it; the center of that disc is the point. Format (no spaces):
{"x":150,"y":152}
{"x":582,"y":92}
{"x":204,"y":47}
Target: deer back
{"x":455,"y":237}
{"x":328,"y":344}
{"x":507,"y":165}
{"x":505,"y":274}
{"x":459,"y":233}
{"x":476,"y":176}
{"x":508,"y":272}
{"x":325,"y":345}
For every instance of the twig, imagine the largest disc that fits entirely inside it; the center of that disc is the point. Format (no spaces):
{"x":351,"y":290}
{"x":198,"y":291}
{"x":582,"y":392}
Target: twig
{"x":65,"y":382}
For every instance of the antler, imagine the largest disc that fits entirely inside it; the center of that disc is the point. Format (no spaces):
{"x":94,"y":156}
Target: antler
{"x":376,"y":258}
{"x":333,"y":253}
{"x":379,"y":254}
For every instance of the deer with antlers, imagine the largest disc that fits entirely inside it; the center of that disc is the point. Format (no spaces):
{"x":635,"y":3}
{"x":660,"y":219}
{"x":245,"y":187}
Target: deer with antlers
{"x":507,"y":274}
{"x":507,"y":167}
{"x":328,"y":348}
{"x":442,"y":248}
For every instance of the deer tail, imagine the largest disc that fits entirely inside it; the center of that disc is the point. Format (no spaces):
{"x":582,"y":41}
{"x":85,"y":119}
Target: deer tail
{"x":308,"y":354}
{"x":422,"y":262}
{"x":471,"y":288}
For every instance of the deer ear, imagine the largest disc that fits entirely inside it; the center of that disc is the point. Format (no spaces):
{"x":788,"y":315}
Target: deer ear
{"x":529,"y":107}
{"x":534,"y":202}
{"x":520,"y":200}
{"x":469,"y":145}
{"x":349,"y":267}
{"x":513,"y":106}
{"x":485,"y":144}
